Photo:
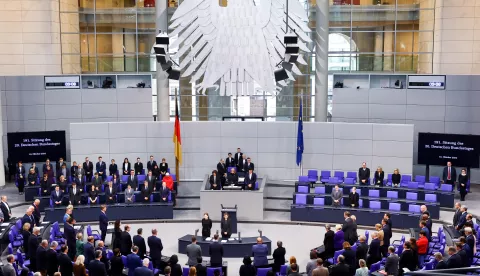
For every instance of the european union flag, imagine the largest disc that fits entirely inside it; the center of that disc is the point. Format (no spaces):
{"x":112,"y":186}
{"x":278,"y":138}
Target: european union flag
{"x":300,"y":134}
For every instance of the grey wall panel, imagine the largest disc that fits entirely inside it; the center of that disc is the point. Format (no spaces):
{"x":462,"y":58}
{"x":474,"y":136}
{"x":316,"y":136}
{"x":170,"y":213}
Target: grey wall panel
{"x":284,"y":129}
{"x":475,"y":82}
{"x":135,"y":119}
{"x":60,"y":124}
{"x":33,"y":112}
{"x":3,"y":97}
{"x":2,"y":84}
{"x":428,"y":113}
{"x":463,"y":98}
{"x":99,"y":96}
{"x":100,"y":120}
{"x":29,"y":97}
{"x":392,"y":149}
{"x":24,"y":126}
{"x":66,"y":111}
{"x":127,"y":145}
{"x":275,"y":160}
{"x":199,"y":144}
{"x":457,"y":127}
{"x":322,"y":146}
{"x":352,"y":147}
{"x":206,"y":129}
{"x":89,"y":131}
{"x":316,"y":130}
{"x":475,"y":128}
{"x":278,"y":145}
{"x":24,"y":83}
{"x":350,"y":120}
{"x":350,"y":162}
{"x":165,"y":129}
{"x":88,"y":146}
{"x":457,"y":114}
{"x":459,"y":82}
{"x":134,"y":95}
{"x":239,"y":129}
{"x":63,"y":96}
{"x":143,"y":110}
{"x":127,"y":130}
{"x":392,"y":133}
{"x":159,"y":145}
{"x":426,"y":97}
{"x":427,"y":126}
{"x":351,"y":111}
{"x":384,"y":111}
{"x":388,"y":164}
{"x":247,"y":144}
{"x":99,"y":110}
{"x":207,"y":160}
{"x":353,"y":96}
{"x":316,"y":161}
{"x":386,"y":96}
{"x":352,"y":131}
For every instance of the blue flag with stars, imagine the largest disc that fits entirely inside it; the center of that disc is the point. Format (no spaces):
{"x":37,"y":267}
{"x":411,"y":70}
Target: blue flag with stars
{"x":300,"y":134}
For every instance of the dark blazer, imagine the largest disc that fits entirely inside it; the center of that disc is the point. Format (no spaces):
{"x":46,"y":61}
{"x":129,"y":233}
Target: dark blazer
{"x":218,"y":181}
{"x":76,"y":197}
{"x":88,"y":168}
{"x":387,"y":235}
{"x":52,"y":262}
{"x":362,"y":251}
{"x":441,"y":265}
{"x":216,"y":253}
{"x":6,"y":213}
{"x":20,"y":171}
{"x":453,"y":174}
{"x":340,"y":269}
{"x":116,"y":264}
{"x":463,"y":258}
{"x":33,"y":242}
{"x":113,"y":169}
{"x":163,"y":167}
{"x":32,"y":177}
{"x":363,"y":174}
{"x":58,"y":166}
{"x":129,"y":168}
{"x":221,"y":169}
{"x":349,"y":232}
{"x":146,"y":193}
{"x":378,"y":178}
{"x":456,"y":217}
{"x":97,"y":268}
{"x":143,"y":271}
{"x":97,"y":182}
{"x":140,"y":242}
{"x":93,"y":194}
{"x":73,"y":170}
{"x":126,"y":245}
{"x":328,"y":243}
{"x":164,"y":193}
{"x":251,"y":180}
{"x":247,"y":270}
{"x":41,"y":258}
{"x":471,"y":244}
{"x":65,"y":264}
{"x":69,"y":234}
{"x":226,"y":226}
{"x":374,"y":252}
{"x":396,"y":178}
{"x":66,"y":175}
{"x":201,"y":270}
{"x":350,"y":260}
{"x":29,"y":219}
{"x":36,"y":214}
{"x":238,"y":158}
{"x":462,"y":180}
{"x":151,"y":164}
{"x":278,"y":258}
{"x":408,"y":260}
{"x":247,"y":167}
{"x":56,"y":198}
{"x":462,"y":220}
{"x":151,"y":182}
{"x":89,"y":253}
{"x":26,"y":237}
{"x":206,"y":227}
{"x":103,"y":220}
{"x":101,"y":167}
{"x":133,"y":261}
{"x":454,"y":261}
{"x":230,"y":162}
{"x":156,"y":247}
{"x":109,"y":194}
{"x":232,"y":178}
{"x":132,"y":182}
{"x":354,"y":199}
{"x":138,"y":167}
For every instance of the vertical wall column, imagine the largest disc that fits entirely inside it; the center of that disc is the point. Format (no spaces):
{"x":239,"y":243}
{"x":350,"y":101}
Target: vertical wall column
{"x":321,"y":60}
{"x":163,"y":101}
{"x":2,"y":105}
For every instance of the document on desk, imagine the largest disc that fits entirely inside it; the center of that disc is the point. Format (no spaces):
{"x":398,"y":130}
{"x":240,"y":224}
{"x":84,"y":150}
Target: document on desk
{"x":110,"y":227}
{"x":208,"y":239}
{"x":231,"y":239}
{"x":241,"y":179}
{"x":224,"y":241}
{"x":5,"y":224}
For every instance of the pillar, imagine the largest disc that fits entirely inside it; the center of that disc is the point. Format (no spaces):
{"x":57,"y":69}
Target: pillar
{"x":163,"y":101}
{"x":2,"y":168}
{"x":321,"y":60}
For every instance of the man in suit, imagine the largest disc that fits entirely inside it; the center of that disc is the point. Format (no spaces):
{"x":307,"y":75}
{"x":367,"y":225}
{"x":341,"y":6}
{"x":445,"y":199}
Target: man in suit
{"x":96,"y":267}
{"x":193,"y":252}
{"x":152,"y":181}
{"x":28,"y":217}
{"x":387,"y":216}
{"x":337,"y":195}
{"x":88,"y":167}
{"x":250,"y":180}
{"x":75,"y":195}
{"x":221,"y":168}
{"x":138,"y":167}
{"x":64,"y":262}
{"x":458,"y":213}
{"x":238,"y":158}
{"x":79,"y":175}
{"x":103,"y":220}
{"x":57,"y":197}
{"x":143,"y":270}
{"x":129,"y":194}
{"x":139,"y":241}
{"x":151,"y":164}
{"x":341,"y":268}
{"x":408,"y":258}
{"x":164,"y":192}
{"x":470,"y":240}
{"x":362,"y":248}
{"x":52,"y":259}
{"x":20,"y":176}
{"x":8,"y":269}
{"x":36,"y":211}
{"x":201,"y":270}
{"x":348,"y":229}
{"x":156,"y":247}
{"x":101,"y":168}
{"x":7,"y":212}
{"x":449,"y":174}
{"x":113,"y":168}
{"x":454,"y":261}
{"x":328,"y":243}
{"x":41,"y":257}
{"x":146,"y":192}
{"x":110,"y":193}
{"x":259,"y":253}
{"x":242,"y":165}
{"x":363,"y":174}
{"x":441,"y":264}
{"x":33,"y":242}
{"x":73,"y":169}
{"x":97,"y":181}
{"x":374,"y":253}
{"x":132,"y":180}
{"x":391,"y":265}
{"x":101,"y":247}
{"x":463,"y":217}
{"x":249,"y":165}
{"x":230,"y":161}
{"x":59,"y":164}
{"x":70,"y":237}
{"x":133,"y":261}
{"x":216,"y":252}
{"x":387,"y":235}
{"x":63,"y":170}
{"x":126,"y":241}
{"x":89,"y":251}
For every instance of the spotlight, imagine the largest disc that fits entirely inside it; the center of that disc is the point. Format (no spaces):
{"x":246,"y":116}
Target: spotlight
{"x":162,"y":59}
{"x":162,"y":38}
{"x":280,"y":74}
{"x":159,"y":49}
{"x":173,"y":74}
{"x":167,"y":65}
{"x":287,"y":66}
{"x":291,"y":58}
{"x":292,"y":49}
{"x":290,"y":39}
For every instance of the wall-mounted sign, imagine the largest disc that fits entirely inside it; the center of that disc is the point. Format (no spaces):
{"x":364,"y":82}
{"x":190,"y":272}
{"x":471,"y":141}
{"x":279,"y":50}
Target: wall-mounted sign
{"x":426,"y":82}
{"x":62,"y":82}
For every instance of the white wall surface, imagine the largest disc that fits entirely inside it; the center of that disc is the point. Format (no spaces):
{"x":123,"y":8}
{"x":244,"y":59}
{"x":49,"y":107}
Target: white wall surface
{"x":271,"y":145}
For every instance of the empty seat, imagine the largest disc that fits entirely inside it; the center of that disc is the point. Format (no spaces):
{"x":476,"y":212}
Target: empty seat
{"x":312,"y":175}
{"x":394,"y":206}
{"x":392,"y":194}
{"x":406,"y":178}
{"x":388,"y":181}
{"x":303,"y":189}
{"x":352,"y":175}
{"x":340,"y":175}
{"x":374,"y":193}
{"x":319,"y":201}
{"x":420,"y":178}
{"x":429,"y":186}
{"x":303,"y":178}
{"x":431,"y":197}
{"x":375,"y":205}
{"x":324,"y":176}
{"x":413,"y":185}
{"x":414,"y":208}
{"x":446,"y":187}
{"x":360,"y":203}
{"x":412,"y":196}
{"x":349,"y":181}
{"x":333,"y":180}
{"x":320,"y":190}
{"x":434,"y":179}
{"x":300,"y":199}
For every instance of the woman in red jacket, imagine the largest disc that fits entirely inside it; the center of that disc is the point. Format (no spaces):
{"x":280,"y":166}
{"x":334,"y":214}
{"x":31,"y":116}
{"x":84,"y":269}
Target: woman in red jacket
{"x":422,"y":247}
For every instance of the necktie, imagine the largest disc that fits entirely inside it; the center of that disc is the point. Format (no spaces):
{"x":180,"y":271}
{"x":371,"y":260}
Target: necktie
{"x":57,"y":194}
{"x":448,"y":176}
{"x":132,"y":178}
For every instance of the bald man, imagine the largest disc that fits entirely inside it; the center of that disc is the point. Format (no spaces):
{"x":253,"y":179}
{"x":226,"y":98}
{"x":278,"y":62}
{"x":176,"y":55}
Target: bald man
{"x":260,"y":253}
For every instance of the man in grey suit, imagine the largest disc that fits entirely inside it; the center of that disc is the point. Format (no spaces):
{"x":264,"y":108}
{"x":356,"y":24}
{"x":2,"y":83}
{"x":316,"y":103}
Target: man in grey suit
{"x":129,"y":194}
{"x":193,"y":252}
{"x":391,"y":265}
{"x":8,"y":269}
{"x":79,"y":174}
{"x":458,"y":213}
{"x":337,"y":195}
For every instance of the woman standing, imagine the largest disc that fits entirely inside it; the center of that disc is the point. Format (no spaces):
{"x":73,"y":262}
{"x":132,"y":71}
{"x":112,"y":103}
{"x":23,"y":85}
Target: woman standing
{"x":462,"y":184}
{"x":396,"y":178}
{"x":79,"y":266}
{"x":379,"y":176}
{"x":206,"y":226}
{"x":79,"y":245}
{"x":126,"y":167}
{"x":226,"y":226}
{"x":163,"y":167}
{"x":117,"y":233}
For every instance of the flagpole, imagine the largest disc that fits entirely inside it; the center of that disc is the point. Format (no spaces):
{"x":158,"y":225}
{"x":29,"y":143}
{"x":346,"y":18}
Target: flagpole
{"x":301,"y":106}
{"x":177,"y":165}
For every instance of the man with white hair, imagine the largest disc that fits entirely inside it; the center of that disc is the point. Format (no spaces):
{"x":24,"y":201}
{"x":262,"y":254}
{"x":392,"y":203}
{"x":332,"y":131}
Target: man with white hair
{"x":143,"y":270}
{"x":28,"y":217}
{"x":374,"y":253}
{"x":470,"y":240}
{"x":42,"y":257}
{"x":36,"y":211}
{"x":463,"y":217}
{"x":440,"y":263}
{"x":52,"y":259}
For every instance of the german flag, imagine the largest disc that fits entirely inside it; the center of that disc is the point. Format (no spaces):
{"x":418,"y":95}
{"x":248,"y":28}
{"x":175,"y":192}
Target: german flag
{"x":177,"y":140}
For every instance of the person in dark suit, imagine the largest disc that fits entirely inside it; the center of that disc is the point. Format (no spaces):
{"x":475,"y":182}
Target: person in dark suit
{"x":132,"y":180}
{"x":70,"y":237}
{"x":52,"y":259}
{"x":328,"y":243}
{"x":7,"y":212}
{"x":230,"y":161}
{"x":341,"y":268}
{"x":354,"y":197}
{"x":33,"y":243}
{"x":407,"y":258}
{"x":63,"y":170}
{"x":156,"y":247}
{"x":206,"y":226}
{"x":201,"y":270}
{"x":449,"y":174}
{"x":463,"y":218}
{"x":62,"y":183}
{"x":20,"y":177}
{"x":116,"y":183}
{"x":89,"y":251}
{"x":348,"y":229}
{"x":28,"y":217}
{"x":96,"y":267}
{"x":50,"y":172}
{"x":363,"y":174}
{"x":259,"y":253}
{"x":113,"y":168}
{"x":226,"y":226}
{"x":59,"y":164}
{"x":152,"y":181}
{"x":216,"y":252}
{"x":163,"y":166}
{"x":93,"y":195}
{"x":249,"y":165}
{"x":138,"y":167}
{"x":80,"y":176}
{"x":470,"y":240}
{"x":103,"y":221}
{"x":133,"y":261}
{"x":57,"y":197}
{"x":238,"y":158}
{"x":350,"y":257}
{"x":41,"y":258}
{"x":458,"y":213}
{"x":374,"y":252}
{"x":221,"y":168}
{"x":101,"y":168}
{"x":45,"y":185}
{"x":146,"y":192}
{"x":391,"y":264}
{"x":129,"y":194}
{"x":387,"y":235}
{"x":75,"y":195}
{"x":215,"y":181}
{"x":151,"y":164}
{"x":378,"y":177}
{"x":32,"y":177}
{"x":242,"y":166}
{"x":101,"y":247}
{"x":64,"y":262}
{"x":126,"y":241}
{"x":73,"y":169}
{"x":97,"y":182}
{"x":88,"y":167}
{"x":441,"y":264}
{"x":396,"y":177}
{"x":127,"y":167}
{"x":164,"y":192}
{"x":454,"y":261}
{"x":36,"y":211}
{"x":110,"y":193}
{"x":278,"y":256}
{"x":232,"y":178}
{"x":250,"y":179}
{"x":362,"y":249}
{"x":143,"y":270}
{"x":139,"y":241}
{"x":116,"y":263}
{"x":462,"y":184}
{"x":465,"y":262}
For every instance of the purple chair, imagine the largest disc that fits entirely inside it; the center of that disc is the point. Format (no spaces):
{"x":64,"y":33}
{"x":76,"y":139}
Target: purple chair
{"x":320,"y":190}
{"x":359,"y":192}
{"x":324,"y":176}
{"x":303,"y":178}
{"x":210,"y":270}
{"x":303,"y":189}
{"x":446,"y":187}
{"x":320,"y":201}
{"x":404,"y":184}
{"x":394,"y":206}
{"x":375,"y":205}
{"x":333,"y":180}
{"x":431,"y":197}
{"x":352,"y":175}
{"x":374,"y":193}
{"x":312,"y":175}
{"x":412,"y":196}
{"x":414,"y":208}
{"x":375,"y":267}
{"x":301,"y":199}
{"x":124,"y":178}
{"x":335,"y":256}
{"x":185,"y":271}
{"x":109,"y":178}
{"x":392,"y":194}
{"x":434,"y":179}
{"x":429,"y":186}
{"x":349,"y":181}
{"x":360,"y":203}
{"x":406,"y":178}
{"x":263,"y":271}
{"x":388,"y":181}
{"x":340,"y":175}
{"x":96,"y":237}
{"x":413,"y":185}
{"x":420,"y":178}
{"x":283,"y":271}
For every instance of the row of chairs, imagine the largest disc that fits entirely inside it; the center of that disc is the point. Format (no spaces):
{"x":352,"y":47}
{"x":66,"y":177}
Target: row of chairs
{"x":134,"y":199}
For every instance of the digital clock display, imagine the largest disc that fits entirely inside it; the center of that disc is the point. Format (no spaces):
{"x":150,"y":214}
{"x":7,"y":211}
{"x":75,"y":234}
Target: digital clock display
{"x":62,"y":82}
{"x":426,"y":82}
